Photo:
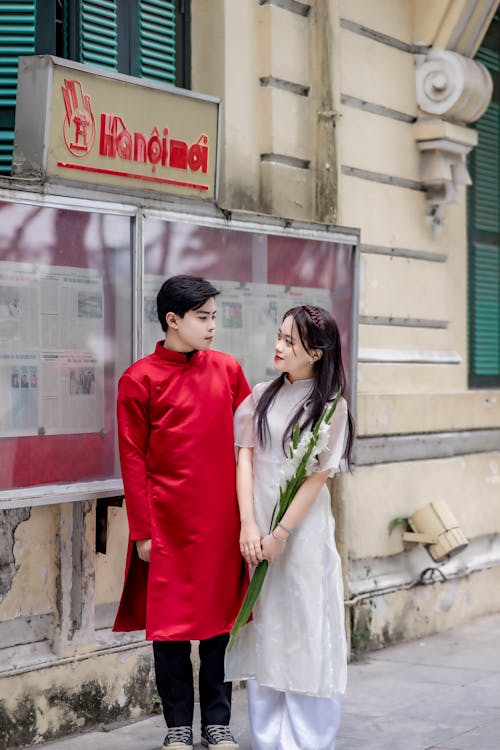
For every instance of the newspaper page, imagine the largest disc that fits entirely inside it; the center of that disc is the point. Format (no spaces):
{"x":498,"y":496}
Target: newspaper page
{"x":19,"y":306}
{"x":72,"y":395}
{"x":151,"y":331}
{"x":248,"y":317}
{"x":52,"y":349}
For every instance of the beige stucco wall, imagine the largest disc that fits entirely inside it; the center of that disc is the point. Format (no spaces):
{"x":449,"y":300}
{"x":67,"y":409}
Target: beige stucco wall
{"x":110,"y":567}
{"x":407,"y":398}
{"x":370,"y":61}
{"x":41,"y":704}
{"x":469,"y":484}
{"x":33,"y":589}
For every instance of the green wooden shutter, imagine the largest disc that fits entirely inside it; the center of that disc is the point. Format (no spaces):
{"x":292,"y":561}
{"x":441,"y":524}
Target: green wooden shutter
{"x":485,"y":271}
{"x":484,"y":240}
{"x":157,"y":40}
{"x":98,"y":33}
{"x":17,"y":37}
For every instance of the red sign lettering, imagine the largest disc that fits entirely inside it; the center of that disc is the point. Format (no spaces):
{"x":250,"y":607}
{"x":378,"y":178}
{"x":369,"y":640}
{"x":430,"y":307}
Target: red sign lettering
{"x":156,"y":149}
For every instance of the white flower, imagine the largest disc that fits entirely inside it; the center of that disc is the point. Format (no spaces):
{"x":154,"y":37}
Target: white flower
{"x":302,"y":447}
{"x":287,"y":471}
{"x":291,"y":464}
{"x":311,"y":465}
{"x":322,"y":442}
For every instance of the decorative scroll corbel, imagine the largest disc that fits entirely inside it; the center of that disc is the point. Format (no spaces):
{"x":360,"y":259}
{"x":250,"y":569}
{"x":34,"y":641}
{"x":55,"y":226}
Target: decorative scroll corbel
{"x":452,"y":86}
{"x":443,"y":149}
{"x":451,"y":89}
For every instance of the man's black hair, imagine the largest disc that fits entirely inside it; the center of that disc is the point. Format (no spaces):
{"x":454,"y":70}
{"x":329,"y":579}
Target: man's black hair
{"x":179,"y":294}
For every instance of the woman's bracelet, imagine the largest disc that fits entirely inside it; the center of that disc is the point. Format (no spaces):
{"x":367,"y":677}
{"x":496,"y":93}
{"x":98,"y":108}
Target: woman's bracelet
{"x":285,"y":528}
{"x":278,"y":537}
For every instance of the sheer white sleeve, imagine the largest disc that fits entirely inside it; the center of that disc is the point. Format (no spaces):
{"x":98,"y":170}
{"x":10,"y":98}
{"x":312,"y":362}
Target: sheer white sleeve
{"x":332,"y":455}
{"x":244,"y":424}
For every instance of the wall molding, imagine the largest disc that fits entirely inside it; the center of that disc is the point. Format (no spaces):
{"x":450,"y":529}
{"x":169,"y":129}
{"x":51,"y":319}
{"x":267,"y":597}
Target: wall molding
{"x":408,"y":356}
{"x":377,"y":576}
{"x":378,"y":36}
{"x":403,"y":252}
{"x":480,"y":26}
{"x":287,"y":161}
{"x":380,"y":320}
{"x":424,"y":446}
{"x":279,"y":83}
{"x":52,"y":494}
{"x":384,"y":179}
{"x":46,"y":661}
{"x":293,"y":6}
{"x":22,"y":630}
{"x":376,"y":109}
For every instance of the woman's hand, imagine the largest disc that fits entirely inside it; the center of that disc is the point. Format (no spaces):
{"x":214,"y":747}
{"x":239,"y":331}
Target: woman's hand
{"x":273,"y":547}
{"x":250,"y":546}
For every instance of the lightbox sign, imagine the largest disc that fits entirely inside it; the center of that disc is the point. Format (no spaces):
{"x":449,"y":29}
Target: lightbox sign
{"x":89,"y":125}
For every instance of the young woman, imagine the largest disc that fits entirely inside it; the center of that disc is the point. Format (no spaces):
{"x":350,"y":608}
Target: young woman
{"x":293,"y":651}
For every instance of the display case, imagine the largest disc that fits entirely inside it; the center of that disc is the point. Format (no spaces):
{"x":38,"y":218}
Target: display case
{"x":78,"y":286}
{"x":65,"y":336}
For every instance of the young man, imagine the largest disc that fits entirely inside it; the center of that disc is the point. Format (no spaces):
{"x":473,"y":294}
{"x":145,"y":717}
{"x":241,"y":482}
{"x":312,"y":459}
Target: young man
{"x":185,"y":577}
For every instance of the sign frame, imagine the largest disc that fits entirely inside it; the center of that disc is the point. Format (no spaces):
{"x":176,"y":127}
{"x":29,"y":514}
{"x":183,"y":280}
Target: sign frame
{"x":70,"y":130}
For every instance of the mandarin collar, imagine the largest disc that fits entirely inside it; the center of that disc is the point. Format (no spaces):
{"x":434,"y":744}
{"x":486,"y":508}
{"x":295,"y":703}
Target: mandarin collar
{"x":175,"y":358}
{"x":297,"y":384}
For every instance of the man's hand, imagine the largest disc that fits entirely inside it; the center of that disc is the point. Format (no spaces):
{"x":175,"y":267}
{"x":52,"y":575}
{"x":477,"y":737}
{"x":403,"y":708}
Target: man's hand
{"x":143,"y":549}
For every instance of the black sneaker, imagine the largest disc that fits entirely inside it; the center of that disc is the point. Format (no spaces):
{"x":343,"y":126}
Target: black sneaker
{"x":179,"y":738}
{"x":218,"y":737}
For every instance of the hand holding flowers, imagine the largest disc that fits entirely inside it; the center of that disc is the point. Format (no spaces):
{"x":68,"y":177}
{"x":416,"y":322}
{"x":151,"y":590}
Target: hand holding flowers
{"x":272,"y":547}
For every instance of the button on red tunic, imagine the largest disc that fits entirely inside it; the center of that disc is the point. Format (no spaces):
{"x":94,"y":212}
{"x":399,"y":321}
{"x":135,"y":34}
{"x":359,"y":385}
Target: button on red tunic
{"x":175,"y":427}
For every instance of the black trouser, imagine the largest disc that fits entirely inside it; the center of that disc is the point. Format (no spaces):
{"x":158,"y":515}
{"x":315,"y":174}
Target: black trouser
{"x":174,"y":680}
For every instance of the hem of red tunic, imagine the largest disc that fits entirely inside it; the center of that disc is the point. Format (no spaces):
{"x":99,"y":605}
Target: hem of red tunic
{"x":192,"y":635}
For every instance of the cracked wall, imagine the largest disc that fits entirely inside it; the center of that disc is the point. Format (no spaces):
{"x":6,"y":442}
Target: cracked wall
{"x":46,"y":704}
{"x":9,"y":521}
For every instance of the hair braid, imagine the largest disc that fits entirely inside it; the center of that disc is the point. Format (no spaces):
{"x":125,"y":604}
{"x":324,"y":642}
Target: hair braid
{"x":315,"y":316}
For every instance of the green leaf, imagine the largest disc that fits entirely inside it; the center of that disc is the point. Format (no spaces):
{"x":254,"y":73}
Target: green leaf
{"x":399,"y":521}
{"x":249,"y":600}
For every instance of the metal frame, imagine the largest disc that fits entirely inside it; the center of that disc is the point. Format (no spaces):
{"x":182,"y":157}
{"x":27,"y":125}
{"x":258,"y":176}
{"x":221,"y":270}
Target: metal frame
{"x":189,"y":212}
{"x":264,"y":224}
{"x":138,"y":286}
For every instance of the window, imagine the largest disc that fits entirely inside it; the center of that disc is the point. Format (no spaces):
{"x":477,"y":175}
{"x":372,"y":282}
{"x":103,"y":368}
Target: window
{"x":484,"y":231}
{"x":260,"y":276}
{"x":143,"y":38}
{"x":17,"y":37}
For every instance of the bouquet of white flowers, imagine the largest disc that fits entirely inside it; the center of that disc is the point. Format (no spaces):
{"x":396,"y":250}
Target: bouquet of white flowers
{"x":304,"y":450}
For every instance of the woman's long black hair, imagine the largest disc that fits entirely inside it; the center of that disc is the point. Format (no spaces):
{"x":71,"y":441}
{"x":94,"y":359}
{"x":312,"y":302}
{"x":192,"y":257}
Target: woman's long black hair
{"x":316,"y":330}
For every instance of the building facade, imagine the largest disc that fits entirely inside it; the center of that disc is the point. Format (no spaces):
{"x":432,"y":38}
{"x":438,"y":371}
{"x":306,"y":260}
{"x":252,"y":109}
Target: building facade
{"x":349,"y":131}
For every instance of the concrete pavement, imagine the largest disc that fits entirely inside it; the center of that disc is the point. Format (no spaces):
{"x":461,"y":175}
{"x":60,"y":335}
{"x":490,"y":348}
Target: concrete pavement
{"x":437,"y":693}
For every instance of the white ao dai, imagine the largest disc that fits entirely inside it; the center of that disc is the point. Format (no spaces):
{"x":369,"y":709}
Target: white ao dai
{"x":296,"y":641}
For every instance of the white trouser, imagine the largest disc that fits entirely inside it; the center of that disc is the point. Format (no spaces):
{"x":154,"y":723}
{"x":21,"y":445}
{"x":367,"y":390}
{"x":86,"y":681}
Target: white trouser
{"x":291,"y":721}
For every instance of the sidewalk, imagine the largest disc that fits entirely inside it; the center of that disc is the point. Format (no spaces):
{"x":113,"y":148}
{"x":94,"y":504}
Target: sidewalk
{"x":438,"y":693}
